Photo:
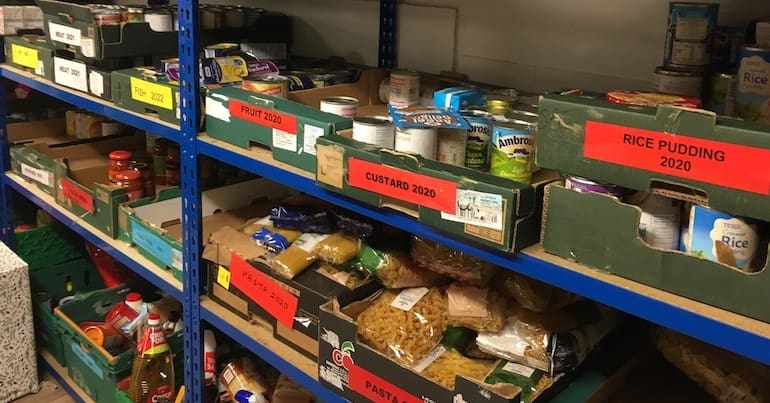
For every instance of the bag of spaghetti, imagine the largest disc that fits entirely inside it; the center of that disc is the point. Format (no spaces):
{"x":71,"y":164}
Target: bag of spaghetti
{"x":275,"y":240}
{"x":726,"y":376}
{"x":336,"y":248}
{"x":445,"y":362}
{"x":451,"y":262}
{"x":532,"y":294}
{"x":404,"y":325}
{"x":555,"y":342}
{"x":394,"y":268}
{"x":480,"y":309}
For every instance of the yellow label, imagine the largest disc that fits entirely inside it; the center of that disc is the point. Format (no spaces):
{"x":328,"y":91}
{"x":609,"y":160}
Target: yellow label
{"x":223,"y":277}
{"x":24,"y":56}
{"x":151,"y":93}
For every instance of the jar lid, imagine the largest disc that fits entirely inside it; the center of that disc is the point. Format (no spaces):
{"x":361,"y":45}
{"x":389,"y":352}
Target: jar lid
{"x":120,"y":155}
{"x":128,"y":175}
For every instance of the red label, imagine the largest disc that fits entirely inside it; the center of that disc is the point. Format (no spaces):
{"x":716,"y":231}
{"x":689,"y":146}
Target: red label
{"x":377,"y":389}
{"x":263,"y":290}
{"x":162,"y":392}
{"x":73,"y":192}
{"x":263,"y":116}
{"x":714,"y":162}
{"x":422,"y":190}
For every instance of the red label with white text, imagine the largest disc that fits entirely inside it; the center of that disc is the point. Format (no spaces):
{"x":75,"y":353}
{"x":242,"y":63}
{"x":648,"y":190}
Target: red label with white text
{"x":422,"y":190}
{"x":263,"y":290}
{"x":77,"y":195}
{"x":161,"y":393}
{"x":714,"y":162}
{"x":377,"y":389}
{"x":263,"y":116}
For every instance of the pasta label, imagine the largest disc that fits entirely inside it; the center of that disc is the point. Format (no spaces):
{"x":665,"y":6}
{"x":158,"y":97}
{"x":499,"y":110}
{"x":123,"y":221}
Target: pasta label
{"x":377,"y":389}
{"x":408,"y":298}
{"x":429,"y":359}
{"x":263,"y":290}
{"x":519,"y":369}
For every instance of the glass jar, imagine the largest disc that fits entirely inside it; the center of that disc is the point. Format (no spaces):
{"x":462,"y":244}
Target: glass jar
{"x":131,"y":181}
{"x":148,"y":177}
{"x":120,"y":160}
{"x":172,"y":165}
{"x":159,"y":153}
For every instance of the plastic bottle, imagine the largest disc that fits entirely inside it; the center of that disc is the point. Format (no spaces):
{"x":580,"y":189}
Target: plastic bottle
{"x":210,"y":389}
{"x":125,"y":311}
{"x":152,"y":374}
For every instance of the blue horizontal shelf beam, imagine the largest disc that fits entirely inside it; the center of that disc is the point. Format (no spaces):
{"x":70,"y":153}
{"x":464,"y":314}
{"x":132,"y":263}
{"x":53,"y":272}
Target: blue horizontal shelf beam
{"x":240,"y":336}
{"x":90,"y":235}
{"x":91,"y":103}
{"x":701,"y":326}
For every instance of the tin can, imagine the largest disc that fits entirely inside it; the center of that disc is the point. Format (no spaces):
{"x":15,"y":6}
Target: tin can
{"x":233,"y":17}
{"x":148,"y":176}
{"x":500,"y":102}
{"x":452,"y":144}
{"x":513,"y":146}
{"x":299,"y":81}
{"x":720,"y":94}
{"x":523,"y":111}
{"x":477,"y":152}
{"x":659,"y":220}
{"x":220,"y":49}
{"x":725,"y":45}
{"x":584,"y":185}
{"x":652,"y":99}
{"x":417,"y":140}
{"x":722,"y":238}
{"x":404,"y":89}
{"x":752,"y":99}
{"x":107,"y":17}
{"x":241,"y":374}
{"x":342,"y":106}
{"x":374,"y":130}
{"x":171,"y":68}
{"x":159,"y":20}
{"x":275,"y":86}
{"x":132,"y":14}
{"x":111,"y":127}
{"x":679,"y":82}
{"x":688,"y":38}
{"x":344,"y":76}
{"x":322,"y":80}
{"x":383,"y":90}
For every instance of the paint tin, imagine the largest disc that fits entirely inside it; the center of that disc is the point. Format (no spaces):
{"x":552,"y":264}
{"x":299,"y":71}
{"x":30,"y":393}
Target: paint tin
{"x":233,"y":17}
{"x":500,"y":102}
{"x":452,"y":144}
{"x":342,"y":106}
{"x":688,"y":38}
{"x":584,"y":185}
{"x":375,"y":130}
{"x":679,"y":82}
{"x":513,"y":146}
{"x":159,"y":20}
{"x":417,"y":140}
{"x":404,"y":88}
{"x":722,"y":238}
{"x":752,"y":98}
{"x":719,"y":95}
{"x":477,"y":151}
{"x":659,"y":220}
{"x":273,"y":85}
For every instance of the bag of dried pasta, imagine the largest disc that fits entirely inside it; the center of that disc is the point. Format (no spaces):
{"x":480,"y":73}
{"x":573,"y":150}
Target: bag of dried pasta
{"x":475,"y":308}
{"x":345,"y":274}
{"x":335,"y":249}
{"x":265,"y":234}
{"x":354,"y":224}
{"x":533,"y":294}
{"x":301,"y":218}
{"x":725,"y":375}
{"x":405,"y":325}
{"x":446,"y":361}
{"x":451,"y":262}
{"x":338,"y":248}
{"x":394,"y":268}
{"x":531,"y":381}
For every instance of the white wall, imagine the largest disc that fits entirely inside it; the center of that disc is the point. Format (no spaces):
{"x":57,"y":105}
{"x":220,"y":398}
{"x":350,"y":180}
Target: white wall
{"x":527,"y":44}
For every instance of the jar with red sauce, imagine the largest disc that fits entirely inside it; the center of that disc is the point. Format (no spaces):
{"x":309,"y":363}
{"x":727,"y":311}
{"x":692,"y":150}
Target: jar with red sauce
{"x":131,"y":181}
{"x":120,"y":160}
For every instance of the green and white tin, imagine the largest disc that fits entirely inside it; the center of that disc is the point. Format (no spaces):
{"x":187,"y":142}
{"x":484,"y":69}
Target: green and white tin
{"x":513,"y":149}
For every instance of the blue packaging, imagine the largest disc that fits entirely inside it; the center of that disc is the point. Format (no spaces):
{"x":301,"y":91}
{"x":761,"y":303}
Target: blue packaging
{"x":458,"y":98}
{"x":722,"y":238}
{"x":427,"y":117}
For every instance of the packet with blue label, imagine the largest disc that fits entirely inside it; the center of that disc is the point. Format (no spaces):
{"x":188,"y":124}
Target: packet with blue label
{"x":459,"y":98}
{"x":427,"y":117}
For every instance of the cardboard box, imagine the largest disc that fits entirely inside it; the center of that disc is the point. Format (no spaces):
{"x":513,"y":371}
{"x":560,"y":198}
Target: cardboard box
{"x":689,"y":152}
{"x":608,"y":240}
{"x":30,"y":150}
{"x":30,"y":53}
{"x":366,"y":90}
{"x":131,"y":90}
{"x":508,"y":217}
{"x":14,"y":19}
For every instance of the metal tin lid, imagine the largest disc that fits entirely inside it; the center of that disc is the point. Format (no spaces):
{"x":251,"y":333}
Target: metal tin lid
{"x":475,"y":113}
{"x":340,"y":100}
{"x":504,"y":94}
{"x":373,"y":120}
{"x":666,"y":71}
{"x":514,"y":124}
{"x":270,"y":78}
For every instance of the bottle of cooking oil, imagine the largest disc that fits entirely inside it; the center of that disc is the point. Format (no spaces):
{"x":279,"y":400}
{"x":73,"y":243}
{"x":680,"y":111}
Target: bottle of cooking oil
{"x":152,"y":375}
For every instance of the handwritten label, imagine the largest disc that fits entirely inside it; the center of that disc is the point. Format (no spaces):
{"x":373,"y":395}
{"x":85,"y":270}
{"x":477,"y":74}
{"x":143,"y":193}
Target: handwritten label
{"x":223,"y":277}
{"x":24,"y":56}
{"x":312,"y":133}
{"x":263,"y":290}
{"x":422,"y":190}
{"x":151,"y":93}
{"x":75,"y":194}
{"x":70,"y":74}
{"x":64,"y":34}
{"x":377,"y":389}
{"x":156,"y":246}
{"x":263,"y":116}
{"x":715,"y":162}
{"x":38,"y":175}
{"x":87,"y":47}
{"x":284,"y":141}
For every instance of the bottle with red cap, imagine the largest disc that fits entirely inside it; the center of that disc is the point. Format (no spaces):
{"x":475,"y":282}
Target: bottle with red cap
{"x":125,"y":312}
{"x":152,"y":374}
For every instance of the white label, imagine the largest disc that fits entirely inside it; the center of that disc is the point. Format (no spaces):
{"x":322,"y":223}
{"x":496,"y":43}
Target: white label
{"x":407,"y":298}
{"x":312,"y":133}
{"x":519,"y":369}
{"x":96,"y":83}
{"x":689,"y":53}
{"x":309,"y":241}
{"x":331,"y":377}
{"x":178,"y":113}
{"x":64,"y":34}
{"x":217,"y":110}
{"x":477,"y":208}
{"x":265,"y":221}
{"x":70,"y":74}
{"x":330,"y":337}
{"x":37,"y":175}
{"x":87,"y":47}
{"x":284,"y":140}
{"x":763,"y":34}
{"x":40,"y":70}
{"x":692,"y":29}
{"x":432,"y":356}
{"x":176,"y":259}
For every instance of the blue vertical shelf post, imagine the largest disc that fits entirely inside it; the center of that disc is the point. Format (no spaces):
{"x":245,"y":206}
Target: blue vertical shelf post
{"x":6,"y":194}
{"x":191,"y":198}
{"x":387,"y":45}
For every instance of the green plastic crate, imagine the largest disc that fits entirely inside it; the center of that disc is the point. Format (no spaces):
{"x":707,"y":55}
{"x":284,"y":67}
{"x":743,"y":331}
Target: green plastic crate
{"x":49,"y":332}
{"x":48,"y":246}
{"x":122,"y":397}
{"x":61,"y":280}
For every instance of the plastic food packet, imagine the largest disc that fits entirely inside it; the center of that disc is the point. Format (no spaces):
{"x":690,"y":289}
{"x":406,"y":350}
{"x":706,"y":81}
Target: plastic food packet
{"x":299,"y":256}
{"x":301,"y":218}
{"x":427,"y":116}
{"x":533,"y":294}
{"x":451,"y":262}
{"x":530,"y":380}
{"x":345,"y":274}
{"x":288,"y":391}
{"x":554,"y":343}
{"x":394,"y":269}
{"x":338,"y":248}
{"x":354,"y":224}
{"x":273,"y":239}
{"x":726,"y":376}
{"x":446,"y":361}
{"x":475,"y":308}
{"x":404,"y":325}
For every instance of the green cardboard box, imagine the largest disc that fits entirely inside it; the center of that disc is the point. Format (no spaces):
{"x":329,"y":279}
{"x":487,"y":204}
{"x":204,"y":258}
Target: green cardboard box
{"x":288,"y":128}
{"x":608,"y":240}
{"x":132,"y":91}
{"x":493,"y":211}
{"x":692,"y":152}
{"x":30,"y":53}
{"x":34,"y":146}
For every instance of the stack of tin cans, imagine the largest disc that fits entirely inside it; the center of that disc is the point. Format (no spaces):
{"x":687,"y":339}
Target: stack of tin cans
{"x":164,"y":18}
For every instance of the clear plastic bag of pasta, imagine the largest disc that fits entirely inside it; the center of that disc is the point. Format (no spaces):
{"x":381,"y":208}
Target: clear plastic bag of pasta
{"x":394,"y":268}
{"x":275,"y":240}
{"x":480,"y":309}
{"x":346,"y":274}
{"x":338,"y":248}
{"x":446,"y":361}
{"x":533,"y":294}
{"x":405,"y":325}
{"x":335,"y":249}
{"x":451,"y":262}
